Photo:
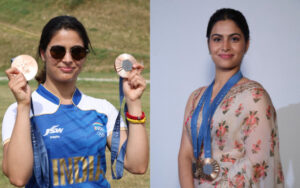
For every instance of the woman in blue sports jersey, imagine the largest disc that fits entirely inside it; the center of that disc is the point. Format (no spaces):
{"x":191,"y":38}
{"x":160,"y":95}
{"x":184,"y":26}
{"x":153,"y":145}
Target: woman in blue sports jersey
{"x":75,"y":128}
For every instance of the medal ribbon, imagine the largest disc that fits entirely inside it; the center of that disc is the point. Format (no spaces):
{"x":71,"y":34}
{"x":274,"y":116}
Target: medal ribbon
{"x":40,"y":156}
{"x":115,"y":140}
{"x":207,"y":114}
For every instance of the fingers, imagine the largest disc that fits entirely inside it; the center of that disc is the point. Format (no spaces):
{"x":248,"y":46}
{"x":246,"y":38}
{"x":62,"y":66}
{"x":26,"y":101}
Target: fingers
{"x":14,"y":75}
{"x":137,"y":66}
{"x":12,"y":72}
{"x":18,"y":85}
{"x":135,"y":84}
{"x":17,"y":81}
{"x":135,"y":80}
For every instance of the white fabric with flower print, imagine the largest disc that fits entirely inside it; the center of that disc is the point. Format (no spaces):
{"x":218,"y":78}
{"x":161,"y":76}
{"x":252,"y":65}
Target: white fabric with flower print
{"x":244,"y":139}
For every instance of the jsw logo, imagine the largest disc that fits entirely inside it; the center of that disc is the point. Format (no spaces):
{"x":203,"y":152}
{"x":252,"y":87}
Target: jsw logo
{"x":53,"y":130}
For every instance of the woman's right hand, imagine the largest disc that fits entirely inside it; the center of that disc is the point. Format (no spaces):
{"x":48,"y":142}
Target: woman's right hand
{"x":17,"y":161}
{"x":18,"y":85}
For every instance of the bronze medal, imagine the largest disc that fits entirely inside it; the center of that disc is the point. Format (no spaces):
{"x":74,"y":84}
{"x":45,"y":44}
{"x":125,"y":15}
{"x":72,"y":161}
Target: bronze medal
{"x":210,"y":169}
{"x":26,"y":65}
{"x":123,"y":64}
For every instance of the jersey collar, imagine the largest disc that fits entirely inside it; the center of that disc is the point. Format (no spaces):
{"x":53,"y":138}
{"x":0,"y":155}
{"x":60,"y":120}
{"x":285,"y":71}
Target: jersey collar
{"x":54,"y":99}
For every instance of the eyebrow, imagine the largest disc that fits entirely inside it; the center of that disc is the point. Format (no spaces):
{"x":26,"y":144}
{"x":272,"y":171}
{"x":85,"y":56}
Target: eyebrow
{"x":219,"y":35}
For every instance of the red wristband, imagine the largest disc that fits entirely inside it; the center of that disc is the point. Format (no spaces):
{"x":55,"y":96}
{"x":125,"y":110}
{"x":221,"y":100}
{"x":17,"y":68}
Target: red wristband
{"x":135,"y":117}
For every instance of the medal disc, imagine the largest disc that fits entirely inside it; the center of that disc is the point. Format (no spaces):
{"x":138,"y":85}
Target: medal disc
{"x":123,"y":64}
{"x":210,"y":169}
{"x":26,"y":65}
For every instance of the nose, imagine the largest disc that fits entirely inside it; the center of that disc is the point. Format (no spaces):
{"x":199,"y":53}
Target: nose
{"x":226,"y":46}
{"x":68,"y":57}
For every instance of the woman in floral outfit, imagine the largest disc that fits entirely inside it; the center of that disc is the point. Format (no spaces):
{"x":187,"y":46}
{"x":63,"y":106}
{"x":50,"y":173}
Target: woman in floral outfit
{"x":244,"y":134}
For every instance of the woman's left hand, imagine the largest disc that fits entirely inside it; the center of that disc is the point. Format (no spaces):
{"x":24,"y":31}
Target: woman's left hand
{"x":135,"y":84}
{"x":137,"y":151}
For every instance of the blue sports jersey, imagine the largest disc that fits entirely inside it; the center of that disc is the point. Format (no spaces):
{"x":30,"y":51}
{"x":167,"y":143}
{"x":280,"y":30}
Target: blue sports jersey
{"x":75,"y":136}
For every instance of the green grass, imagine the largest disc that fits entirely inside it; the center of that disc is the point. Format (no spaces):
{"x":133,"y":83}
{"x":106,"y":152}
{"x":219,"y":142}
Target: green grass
{"x":114,"y":27}
{"x":108,"y":91}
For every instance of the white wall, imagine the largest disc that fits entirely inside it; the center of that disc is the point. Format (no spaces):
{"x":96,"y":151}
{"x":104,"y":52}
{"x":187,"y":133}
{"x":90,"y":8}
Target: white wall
{"x":180,"y":63}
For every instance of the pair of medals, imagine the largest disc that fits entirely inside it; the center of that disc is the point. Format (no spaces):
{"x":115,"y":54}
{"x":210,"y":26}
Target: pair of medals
{"x":27,"y":65}
{"x":207,"y":168}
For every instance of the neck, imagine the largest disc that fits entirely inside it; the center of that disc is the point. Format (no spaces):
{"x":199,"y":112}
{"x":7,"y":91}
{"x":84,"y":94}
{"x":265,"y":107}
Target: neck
{"x":221,"y":77}
{"x":64,"y":91}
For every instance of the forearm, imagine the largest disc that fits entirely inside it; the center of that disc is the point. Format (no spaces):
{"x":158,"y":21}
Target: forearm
{"x":18,"y":157}
{"x":185,"y":155}
{"x":137,"y":152}
{"x":185,"y":171}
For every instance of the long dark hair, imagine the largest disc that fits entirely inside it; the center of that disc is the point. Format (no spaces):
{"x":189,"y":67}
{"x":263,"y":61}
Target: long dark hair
{"x":50,"y":29}
{"x":229,"y":14}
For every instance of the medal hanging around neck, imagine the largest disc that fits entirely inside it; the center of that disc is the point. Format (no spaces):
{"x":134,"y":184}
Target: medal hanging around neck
{"x":208,"y":168}
{"x":123,"y":66}
{"x":27,"y":65}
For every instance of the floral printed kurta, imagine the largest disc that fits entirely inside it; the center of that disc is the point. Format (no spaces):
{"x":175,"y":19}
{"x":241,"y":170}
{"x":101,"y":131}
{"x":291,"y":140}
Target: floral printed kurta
{"x":244,"y":139}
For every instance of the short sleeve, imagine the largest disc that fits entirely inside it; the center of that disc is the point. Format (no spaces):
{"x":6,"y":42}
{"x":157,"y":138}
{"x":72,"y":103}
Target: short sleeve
{"x":112,"y":114}
{"x":102,"y":106}
{"x":8,"y":122}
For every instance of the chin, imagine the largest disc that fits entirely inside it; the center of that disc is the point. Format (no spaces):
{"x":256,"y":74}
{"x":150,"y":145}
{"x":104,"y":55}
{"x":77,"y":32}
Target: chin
{"x":227,"y":67}
{"x":66,"y":79}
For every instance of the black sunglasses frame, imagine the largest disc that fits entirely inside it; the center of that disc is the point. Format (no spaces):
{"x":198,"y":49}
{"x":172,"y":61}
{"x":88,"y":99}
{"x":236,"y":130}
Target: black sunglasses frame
{"x":77,"y":52}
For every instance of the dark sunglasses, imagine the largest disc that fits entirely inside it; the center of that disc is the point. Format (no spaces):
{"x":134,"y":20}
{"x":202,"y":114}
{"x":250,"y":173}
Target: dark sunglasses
{"x":77,"y":52}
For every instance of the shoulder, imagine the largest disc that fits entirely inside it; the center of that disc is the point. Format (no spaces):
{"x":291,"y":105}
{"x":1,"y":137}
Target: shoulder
{"x":92,"y":103}
{"x":253,"y":94}
{"x":196,"y":94}
{"x":250,"y":88}
{"x":193,"y":99}
{"x":103,"y":107}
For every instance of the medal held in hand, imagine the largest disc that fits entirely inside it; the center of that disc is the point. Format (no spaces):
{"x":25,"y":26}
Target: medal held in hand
{"x":26,"y":65}
{"x":123,"y":64}
{"x":208,"y":168}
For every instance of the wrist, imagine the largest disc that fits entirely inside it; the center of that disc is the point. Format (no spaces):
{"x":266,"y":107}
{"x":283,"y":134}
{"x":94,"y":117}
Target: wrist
{"x":23,"y":101}
{"x":23,"y":107}
{"x":136,"y":119}
{"x":134,"y":107}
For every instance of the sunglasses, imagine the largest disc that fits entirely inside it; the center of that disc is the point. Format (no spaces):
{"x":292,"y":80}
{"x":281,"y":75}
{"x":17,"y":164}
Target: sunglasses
{"x":77,"y":52}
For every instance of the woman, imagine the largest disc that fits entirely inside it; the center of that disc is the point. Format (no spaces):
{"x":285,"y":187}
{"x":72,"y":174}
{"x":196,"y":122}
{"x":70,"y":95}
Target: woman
{"x":237,"y":124}
{"x":75,"y":127}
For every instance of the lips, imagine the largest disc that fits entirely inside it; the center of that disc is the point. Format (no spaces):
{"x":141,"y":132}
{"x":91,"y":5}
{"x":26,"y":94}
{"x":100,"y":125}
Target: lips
{"x":226,"y":56}
{"x":66,"y":69}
